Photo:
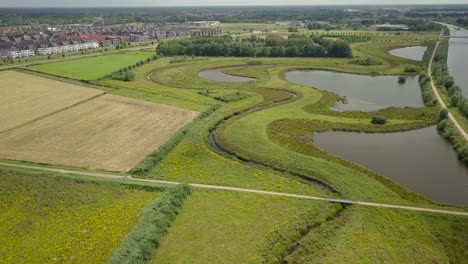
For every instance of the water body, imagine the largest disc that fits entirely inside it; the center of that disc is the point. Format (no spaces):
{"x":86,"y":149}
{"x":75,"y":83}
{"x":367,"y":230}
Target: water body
{"x":363,"y":92}
{"x":219,"y":76}
{"x":458,"y":57}
{"x":412,"y":53}
{"x":419,"y":160}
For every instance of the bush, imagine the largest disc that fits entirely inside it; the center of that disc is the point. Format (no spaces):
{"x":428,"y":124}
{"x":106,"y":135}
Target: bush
{"x":401,"y":80}
{"x":443,"y":114}
{"x":145,"y":237}
{"x":379,"y":120}
{"x":411,"y":69}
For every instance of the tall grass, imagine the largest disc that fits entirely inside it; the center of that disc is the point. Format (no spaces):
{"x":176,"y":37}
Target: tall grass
{"x":145,"y":237}
{"x":156,"y":156}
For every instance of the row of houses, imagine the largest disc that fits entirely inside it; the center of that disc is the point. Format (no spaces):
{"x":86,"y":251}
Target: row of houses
{"x":10,"y":51}
{"x":65,"y":39}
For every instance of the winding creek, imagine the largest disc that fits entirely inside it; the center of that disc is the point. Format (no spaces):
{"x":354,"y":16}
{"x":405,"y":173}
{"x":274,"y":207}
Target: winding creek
{"x":363,"y":92}
{"x":420,"y":160}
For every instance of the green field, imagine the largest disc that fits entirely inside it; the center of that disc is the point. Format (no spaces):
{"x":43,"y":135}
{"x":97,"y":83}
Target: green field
{"x":267,"y":148}
{"x":47,"y":218}
{"x":91,"y":68}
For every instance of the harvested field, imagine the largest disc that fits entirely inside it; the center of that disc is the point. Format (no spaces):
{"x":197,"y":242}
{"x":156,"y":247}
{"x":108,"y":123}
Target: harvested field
{"x":108,"y":133}
{"x":25,"y":97}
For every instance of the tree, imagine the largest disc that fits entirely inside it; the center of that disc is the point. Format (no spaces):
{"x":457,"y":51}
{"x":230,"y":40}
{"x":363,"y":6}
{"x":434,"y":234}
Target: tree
{"x":443,"y":114}
{"x":379,"y":120}
{"x":292,"y":52}
{"x":340,"y":49}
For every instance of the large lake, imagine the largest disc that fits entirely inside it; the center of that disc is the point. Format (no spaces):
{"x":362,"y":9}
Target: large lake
{"x":412,"y":53}
{"x":219,"y":76}
{"x":458,"y":57}
{"x":420,"y":160}
{"x":363,"y":92}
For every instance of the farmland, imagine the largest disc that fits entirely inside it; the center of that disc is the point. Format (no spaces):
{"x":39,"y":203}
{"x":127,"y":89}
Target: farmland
{"x":47,"y":218}
{"x":25,"y":97}
{"x":261,"y":140}
{"x":111,"y":132}
{"x":93,"y":67}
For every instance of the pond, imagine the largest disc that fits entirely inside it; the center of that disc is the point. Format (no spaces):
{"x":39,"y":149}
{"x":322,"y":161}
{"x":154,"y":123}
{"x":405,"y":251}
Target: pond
{"x":458,"y":57}
{"x":418,"y":160}
{"x":219,"y":76}
{"x":412,"y":53}
{"x":363,"y":92}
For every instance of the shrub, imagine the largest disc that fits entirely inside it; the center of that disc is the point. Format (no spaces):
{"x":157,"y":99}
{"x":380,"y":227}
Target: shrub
{"x":401,"y":80}
{"x":379,"y":120}
{"x":411,"y":69}
{"x":145,"y":237}
{"x":443,"y":114}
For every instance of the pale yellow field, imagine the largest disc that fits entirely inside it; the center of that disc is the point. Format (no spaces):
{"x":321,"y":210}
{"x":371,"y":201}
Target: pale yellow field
{"x":25,"y":97}
{"x":107,"y":133}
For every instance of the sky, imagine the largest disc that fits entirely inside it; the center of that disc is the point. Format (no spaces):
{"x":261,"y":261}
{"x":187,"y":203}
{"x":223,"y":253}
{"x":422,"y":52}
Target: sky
{"x":122,"y":3}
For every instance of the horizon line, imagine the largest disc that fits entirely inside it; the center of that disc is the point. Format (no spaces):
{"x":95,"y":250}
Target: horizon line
{"x":272,"y":5}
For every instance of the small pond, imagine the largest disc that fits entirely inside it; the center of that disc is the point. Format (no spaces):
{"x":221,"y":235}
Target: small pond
{"x":219,"y":76}
{"x":362,"y":92}
{"x":419,"y":160}
{"x":412,"y":53}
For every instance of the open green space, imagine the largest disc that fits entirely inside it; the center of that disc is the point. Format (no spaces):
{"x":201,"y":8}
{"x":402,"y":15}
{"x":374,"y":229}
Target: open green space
{"x":91,"y":68}
{"x":48,"y":218}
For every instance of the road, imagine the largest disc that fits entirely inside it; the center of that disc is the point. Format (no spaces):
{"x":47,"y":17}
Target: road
{"x":439,"y":98}
{"x":235,"y":189}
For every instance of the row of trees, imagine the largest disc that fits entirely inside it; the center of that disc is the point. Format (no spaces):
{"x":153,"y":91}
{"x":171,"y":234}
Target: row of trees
{"x":271,"y":46}
{"x":125,"y":74}
{"x":445,"y":80}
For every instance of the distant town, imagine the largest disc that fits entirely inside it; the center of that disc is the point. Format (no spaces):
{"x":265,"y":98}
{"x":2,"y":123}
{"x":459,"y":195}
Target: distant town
{"x":24,"y":42}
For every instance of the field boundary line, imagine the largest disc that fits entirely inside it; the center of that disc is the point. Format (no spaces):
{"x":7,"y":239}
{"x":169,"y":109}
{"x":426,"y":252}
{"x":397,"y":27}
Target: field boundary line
{"x":439,"y":98}
{"x":53,"y":113}
{"x":130,"y":179}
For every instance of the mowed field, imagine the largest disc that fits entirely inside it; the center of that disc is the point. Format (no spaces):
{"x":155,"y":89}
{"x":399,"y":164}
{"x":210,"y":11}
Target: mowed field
{"x":25,"y":97}
{"x":94,"y":67}
{"x":107,"y":133}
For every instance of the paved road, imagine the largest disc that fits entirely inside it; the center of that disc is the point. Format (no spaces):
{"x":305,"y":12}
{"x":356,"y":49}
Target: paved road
{"x":227,"y":188}
{"x":439,"y":98}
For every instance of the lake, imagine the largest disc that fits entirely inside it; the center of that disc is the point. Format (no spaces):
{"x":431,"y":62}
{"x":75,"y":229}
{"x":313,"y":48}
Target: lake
{"x":219,"y":76}
{"x":419,"y":160}
{"x":363,"y":92}
{"x":412,"y":53}
{"x":458,"y":57}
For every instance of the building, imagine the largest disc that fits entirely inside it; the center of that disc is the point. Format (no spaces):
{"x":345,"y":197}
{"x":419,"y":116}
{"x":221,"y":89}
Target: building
{"x":203,"y":23}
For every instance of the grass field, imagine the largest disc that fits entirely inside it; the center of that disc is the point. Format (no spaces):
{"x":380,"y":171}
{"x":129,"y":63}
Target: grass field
{"x":25,"y":97}
{"x":50,"y":219}
{"x":92,"y":68}
{"x":110,"y":133}
{"x":266,"y":151}
{"x":229,"y":227}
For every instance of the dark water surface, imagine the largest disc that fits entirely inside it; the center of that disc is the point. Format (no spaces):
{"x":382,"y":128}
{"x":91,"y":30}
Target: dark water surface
{"x":219,"y":76}
{"x":419,"y":160}
{"x":363,"y":92}
{"x":458,"y":57}
{"x":412,"y":53}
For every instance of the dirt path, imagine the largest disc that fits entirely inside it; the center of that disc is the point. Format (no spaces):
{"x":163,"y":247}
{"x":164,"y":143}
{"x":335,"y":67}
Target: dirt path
{"x":235,"y":189}
{"x":439,"y":98}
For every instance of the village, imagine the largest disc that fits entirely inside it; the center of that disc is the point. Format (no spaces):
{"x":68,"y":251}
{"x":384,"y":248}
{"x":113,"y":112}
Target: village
{"x":24,"y":42}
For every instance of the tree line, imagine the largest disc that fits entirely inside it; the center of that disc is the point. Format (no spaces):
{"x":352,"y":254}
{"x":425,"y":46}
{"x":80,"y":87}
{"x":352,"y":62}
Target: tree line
{"x":296,"y":45}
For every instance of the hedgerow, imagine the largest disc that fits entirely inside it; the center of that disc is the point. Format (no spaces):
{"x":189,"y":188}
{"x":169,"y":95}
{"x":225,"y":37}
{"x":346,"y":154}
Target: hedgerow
{"x":156,"y":156}
{"x":145,"y":237}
